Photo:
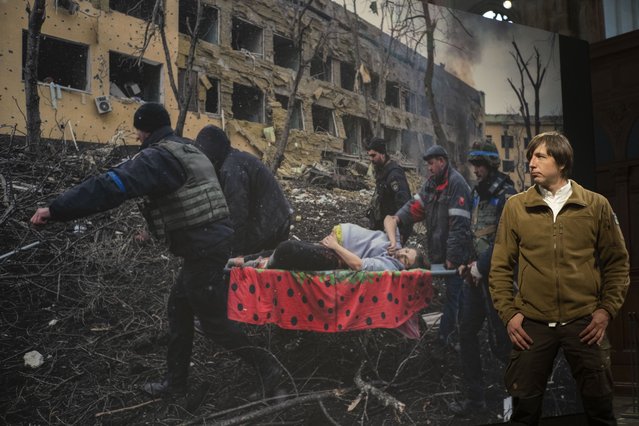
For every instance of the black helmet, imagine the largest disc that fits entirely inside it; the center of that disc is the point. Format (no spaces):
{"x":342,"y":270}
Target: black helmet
{"x":484,"y":151}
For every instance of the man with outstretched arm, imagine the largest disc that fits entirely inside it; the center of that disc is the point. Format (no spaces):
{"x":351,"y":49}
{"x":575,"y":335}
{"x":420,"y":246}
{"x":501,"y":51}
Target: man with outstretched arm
{"x":184,"y":207}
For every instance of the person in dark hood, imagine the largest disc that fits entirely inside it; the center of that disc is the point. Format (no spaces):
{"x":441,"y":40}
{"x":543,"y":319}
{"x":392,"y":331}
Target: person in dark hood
{"x":391,"y":188}
{"x":259,"y":209}
{"x":184,"y":207}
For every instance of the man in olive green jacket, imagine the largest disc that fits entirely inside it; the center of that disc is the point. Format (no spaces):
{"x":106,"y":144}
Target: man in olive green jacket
{"x":573,"y":276}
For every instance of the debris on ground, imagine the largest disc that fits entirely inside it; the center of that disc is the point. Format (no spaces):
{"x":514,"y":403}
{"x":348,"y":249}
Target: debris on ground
{"x":92,"y":297}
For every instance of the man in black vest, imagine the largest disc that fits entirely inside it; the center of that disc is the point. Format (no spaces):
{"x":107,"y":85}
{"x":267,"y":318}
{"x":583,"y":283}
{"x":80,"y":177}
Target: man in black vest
{"x":184,"y":207}
{"x":391,"y":189}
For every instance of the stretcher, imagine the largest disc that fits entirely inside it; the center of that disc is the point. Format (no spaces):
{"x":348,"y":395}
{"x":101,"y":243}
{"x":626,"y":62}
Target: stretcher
{"x":329,"y":301}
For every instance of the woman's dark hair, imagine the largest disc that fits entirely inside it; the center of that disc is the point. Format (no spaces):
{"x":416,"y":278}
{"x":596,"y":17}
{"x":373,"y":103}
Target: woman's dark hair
{"x":557,"y":146}
{"x":420,"y":260}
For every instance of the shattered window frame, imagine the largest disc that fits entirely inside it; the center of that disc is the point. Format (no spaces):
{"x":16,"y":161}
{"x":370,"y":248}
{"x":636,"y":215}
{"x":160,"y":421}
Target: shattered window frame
{"x":58,"y":72}
{"x":141,"y":9}
{"x":351,"y":75}
{"x":332,"y":125}
{"x":297,"y":120}
{"x":215,"y":91}
{"x":327,"y":68}
{"x":355,"y":144}
{"x":239,"y":110}
{"x":392,"y":94}
{"x":210,"y":25}
{"x":235,"y":42}
{"x":393,"y":140}
{"x":148,"y":70}
{"x":290,"y":61}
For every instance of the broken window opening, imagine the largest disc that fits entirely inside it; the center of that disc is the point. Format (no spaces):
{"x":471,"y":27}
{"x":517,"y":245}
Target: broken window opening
{"x":284,"y":53}
{"x":130,"y":80}
{"x":424,"y":109}
{"x":393,"y":141}
{"x":246,"y":36}
{"x":193,"y":102}
{"x":297,"y":119}
{"x":410,"y":145}
{"x":409,"y":101}
{"x":248,"y":103}
{"x":209,"y":22}
{"x":60,"y":62}
{"x":323,"y":120}
{"x":347,"y":76}
{"x":212,"y":100}
{"x":358,"y":134}
{"x":322,"y":70}
{"x":142,"y":9}
{"x":392,"y":94}
{"x":507,"y":166}
{"x":372,"y":89}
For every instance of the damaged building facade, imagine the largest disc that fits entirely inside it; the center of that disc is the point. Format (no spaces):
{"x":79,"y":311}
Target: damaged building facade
{"x":357,"y":81}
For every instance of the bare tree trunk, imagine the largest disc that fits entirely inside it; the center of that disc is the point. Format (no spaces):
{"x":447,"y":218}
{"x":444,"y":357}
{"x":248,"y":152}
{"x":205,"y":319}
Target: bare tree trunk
{"x":540,"y":73}
{"x":440,"y":134}
{"x":277,"y":159}
{"x":37,"y":15}
{"x":300,"y":30}
{"x":184,"y":99}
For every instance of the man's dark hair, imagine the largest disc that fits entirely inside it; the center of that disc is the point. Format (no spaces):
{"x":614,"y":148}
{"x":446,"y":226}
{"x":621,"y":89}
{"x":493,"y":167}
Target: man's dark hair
{"x":377,"y":144}
{"x":557,"y":146}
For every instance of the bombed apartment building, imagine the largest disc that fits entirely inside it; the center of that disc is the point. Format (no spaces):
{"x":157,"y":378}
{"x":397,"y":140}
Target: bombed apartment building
{"x":356,"y":80}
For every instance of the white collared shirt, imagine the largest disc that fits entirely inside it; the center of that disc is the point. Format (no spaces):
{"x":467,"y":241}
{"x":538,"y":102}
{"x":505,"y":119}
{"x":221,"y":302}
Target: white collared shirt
{"x":557,"y":200}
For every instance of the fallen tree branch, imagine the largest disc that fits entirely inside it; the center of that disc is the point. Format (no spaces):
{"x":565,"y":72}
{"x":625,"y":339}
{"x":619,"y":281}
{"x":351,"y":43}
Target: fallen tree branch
{"x":385,"y":398}
{"x":253,"y":415}
{"x":133,"y":407}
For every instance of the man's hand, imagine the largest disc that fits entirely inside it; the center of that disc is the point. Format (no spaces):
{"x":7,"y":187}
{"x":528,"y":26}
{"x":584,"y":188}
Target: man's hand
{"x":41,"y":216}
{"x":596,"y":330}
{"x":465,"y":272}
{"x":450,"y":265}
{"x":330,"y":241}
{"x":517,"y":335}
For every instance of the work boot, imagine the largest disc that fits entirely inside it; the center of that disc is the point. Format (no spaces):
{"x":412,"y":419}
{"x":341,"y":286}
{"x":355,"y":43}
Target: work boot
{"x":164,"y":387}
{"x":467,"y":406}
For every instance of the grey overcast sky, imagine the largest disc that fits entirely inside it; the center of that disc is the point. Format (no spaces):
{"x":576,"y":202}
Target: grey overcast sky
{"x":484,"y":60}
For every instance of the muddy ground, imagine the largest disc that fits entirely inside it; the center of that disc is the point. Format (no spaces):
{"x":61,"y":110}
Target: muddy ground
{"x":91,"y":300}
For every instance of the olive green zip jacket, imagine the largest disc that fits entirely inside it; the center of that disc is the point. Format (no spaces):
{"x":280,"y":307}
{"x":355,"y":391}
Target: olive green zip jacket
{"x":567,"y":268}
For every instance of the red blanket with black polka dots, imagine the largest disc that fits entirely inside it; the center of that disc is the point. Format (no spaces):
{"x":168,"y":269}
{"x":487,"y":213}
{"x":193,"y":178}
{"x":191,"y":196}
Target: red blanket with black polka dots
{"x":327,"y":301}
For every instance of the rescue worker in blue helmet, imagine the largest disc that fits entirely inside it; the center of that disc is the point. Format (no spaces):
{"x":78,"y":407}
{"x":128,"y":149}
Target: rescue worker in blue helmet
{"x":488,"y":197}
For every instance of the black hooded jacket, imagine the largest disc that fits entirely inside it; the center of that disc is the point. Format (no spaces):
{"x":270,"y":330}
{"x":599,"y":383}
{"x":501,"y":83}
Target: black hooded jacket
{"x":152,"y":171}
{"x":259,"y":209}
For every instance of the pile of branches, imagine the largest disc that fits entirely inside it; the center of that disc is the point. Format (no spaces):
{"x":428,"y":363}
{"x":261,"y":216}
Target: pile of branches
{"x":91,"y":300}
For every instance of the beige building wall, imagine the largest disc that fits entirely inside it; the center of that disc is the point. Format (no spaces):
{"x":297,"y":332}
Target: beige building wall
{"x":75,"y":115}
{"x":102,"y":31}
{"x":500,"y":127}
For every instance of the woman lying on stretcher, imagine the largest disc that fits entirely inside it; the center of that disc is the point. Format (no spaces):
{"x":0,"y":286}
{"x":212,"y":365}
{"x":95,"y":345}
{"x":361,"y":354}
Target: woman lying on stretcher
{"x":349,"y":246}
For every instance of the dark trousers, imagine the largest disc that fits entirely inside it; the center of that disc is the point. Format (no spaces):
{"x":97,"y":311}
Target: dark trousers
{"x":305,"y":256}
{"x":477,"y":306}
{"x":201,"y":290}
{"x":528,"y":371}
{"x":450,"y":314}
